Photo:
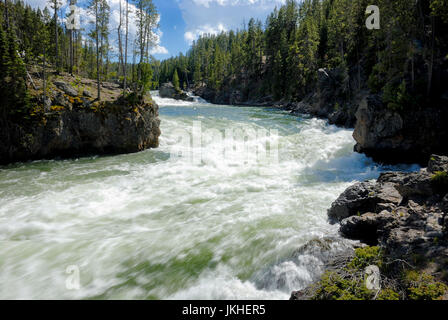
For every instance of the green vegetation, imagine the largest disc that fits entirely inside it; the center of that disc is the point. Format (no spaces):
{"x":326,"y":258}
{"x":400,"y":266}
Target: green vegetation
{"x":365,"y":257}
{"x":422,"y":286}
{"x":281,"y":56}
{"x":175,"y":80}
{"x":348,"y":281}
{"x":333,"y":286}
{"x":34,"y":44}
{"x":13,"y":89}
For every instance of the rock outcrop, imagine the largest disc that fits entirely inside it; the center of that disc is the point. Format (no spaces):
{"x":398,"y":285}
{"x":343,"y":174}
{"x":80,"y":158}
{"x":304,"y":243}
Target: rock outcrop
{"x":167,"y":90}
{"x":405,"y":213}
{"x":400,"y":137}
{"x":66,"y":124}
{"x":402,"y":224}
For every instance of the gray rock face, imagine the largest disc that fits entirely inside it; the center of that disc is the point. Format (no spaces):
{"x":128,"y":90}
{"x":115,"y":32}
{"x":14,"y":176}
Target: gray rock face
{"x":402,"y":212}
{"x":167,"y":90}
{"x":362,"y":197}
{"x":437,"y":163}
{"x":78,"y":132}
{"x":408,"y":136}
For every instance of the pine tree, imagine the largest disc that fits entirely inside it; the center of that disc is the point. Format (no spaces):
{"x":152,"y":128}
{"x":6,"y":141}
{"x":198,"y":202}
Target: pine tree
{"x":176,"y":79}
{"x":17,"y":99}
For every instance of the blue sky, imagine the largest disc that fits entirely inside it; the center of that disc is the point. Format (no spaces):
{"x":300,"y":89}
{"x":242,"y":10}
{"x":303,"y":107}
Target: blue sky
{"x":182,"y":21}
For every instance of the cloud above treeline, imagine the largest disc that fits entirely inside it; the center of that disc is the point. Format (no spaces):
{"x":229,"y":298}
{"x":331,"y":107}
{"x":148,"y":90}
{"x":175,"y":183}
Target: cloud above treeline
{"x":86,"y":17}
{"x":214,"y":16}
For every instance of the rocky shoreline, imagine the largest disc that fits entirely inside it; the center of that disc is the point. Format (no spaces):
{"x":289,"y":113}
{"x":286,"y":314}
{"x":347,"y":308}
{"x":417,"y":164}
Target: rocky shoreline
{"x":402,"y":218}
{"x":385,"y":134}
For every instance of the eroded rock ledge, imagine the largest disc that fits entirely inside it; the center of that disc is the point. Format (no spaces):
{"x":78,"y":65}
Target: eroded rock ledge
{"x":70,"y":123}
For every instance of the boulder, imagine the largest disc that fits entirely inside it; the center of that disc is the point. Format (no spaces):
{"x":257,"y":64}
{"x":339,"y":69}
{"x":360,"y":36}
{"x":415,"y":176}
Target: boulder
{"x":409,"y":184}
{"x":401,"y":212}
{"x":366,"y":227}
{"x":362,"y":197}
{"x":68,"y":89}
{"x":167,"y":90}
{"x":87,"y":94}
{"x":437,"y":163}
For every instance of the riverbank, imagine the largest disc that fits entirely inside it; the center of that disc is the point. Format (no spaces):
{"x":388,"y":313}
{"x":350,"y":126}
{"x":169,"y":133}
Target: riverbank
{"x":69,"y":122}
{"x":402,"y":218}
{"x":383,"y":132}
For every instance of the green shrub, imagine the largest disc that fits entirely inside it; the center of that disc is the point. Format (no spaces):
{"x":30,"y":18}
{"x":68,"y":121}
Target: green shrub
{"x":366,"y":256}
{"x":388,"y":294}
{"x":422,"y":286}
{"x":333,"y":287}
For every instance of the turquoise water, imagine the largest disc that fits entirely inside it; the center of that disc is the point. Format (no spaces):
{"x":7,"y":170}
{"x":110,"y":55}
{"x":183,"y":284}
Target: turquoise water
{"x":188,"y":220}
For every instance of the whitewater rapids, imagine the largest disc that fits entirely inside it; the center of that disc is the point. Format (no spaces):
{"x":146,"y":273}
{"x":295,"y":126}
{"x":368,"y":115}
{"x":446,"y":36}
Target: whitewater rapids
{"x":168,"y":224}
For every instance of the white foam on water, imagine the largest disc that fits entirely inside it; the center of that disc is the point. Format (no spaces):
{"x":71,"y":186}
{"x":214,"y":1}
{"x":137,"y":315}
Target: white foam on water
{"x":152,"y":226}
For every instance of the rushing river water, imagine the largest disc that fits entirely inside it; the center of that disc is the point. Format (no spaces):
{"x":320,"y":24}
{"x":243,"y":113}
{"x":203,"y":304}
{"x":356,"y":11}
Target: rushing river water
{"x":152,"y":225}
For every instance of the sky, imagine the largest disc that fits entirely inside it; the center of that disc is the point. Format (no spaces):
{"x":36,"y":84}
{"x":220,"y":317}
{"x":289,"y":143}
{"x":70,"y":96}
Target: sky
{"x":182,"y":21}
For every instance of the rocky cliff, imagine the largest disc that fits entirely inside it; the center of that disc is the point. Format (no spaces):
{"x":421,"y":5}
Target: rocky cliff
{"x":400,"y":136}
{"x":70,"y":123}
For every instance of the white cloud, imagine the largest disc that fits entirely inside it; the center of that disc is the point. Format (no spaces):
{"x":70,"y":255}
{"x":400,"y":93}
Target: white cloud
{"x":206,"y":3}
{"x":214,"y":16}
{"x":190,"y":36}
{"x":86,"y":17}
{"x":159,"y":50}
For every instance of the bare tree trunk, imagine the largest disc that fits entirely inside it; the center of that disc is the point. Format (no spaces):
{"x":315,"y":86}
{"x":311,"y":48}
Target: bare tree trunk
{"x":142,"y":43}
{"x":120,"y":44}
{"x":97,"y":53}
{"x":126,"y":48}
{"x":44,"y":72}
{"x":56,"y":33}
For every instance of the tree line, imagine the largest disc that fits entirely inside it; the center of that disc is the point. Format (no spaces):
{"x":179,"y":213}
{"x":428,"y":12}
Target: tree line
{"x":403,"y":60}
{"x":35,"y":39}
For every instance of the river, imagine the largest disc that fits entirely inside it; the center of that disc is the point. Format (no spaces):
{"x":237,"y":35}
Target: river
{"x":186,"y":220}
